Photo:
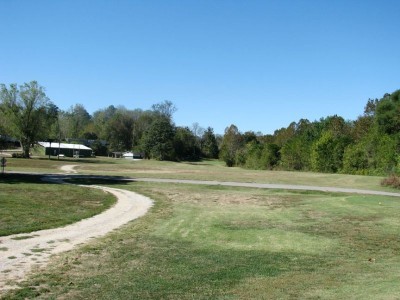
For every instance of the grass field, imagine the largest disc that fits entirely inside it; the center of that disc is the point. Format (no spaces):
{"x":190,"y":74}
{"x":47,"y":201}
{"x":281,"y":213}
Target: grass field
{"x":205,"y":170}
{"x":213,"y":242}
{"x":28,"y":204}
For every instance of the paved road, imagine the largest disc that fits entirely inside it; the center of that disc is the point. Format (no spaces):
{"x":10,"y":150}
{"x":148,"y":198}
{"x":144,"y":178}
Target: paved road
{"x":72,"y":173}
{"x":270,"y":186}
{"x":238,"y":184}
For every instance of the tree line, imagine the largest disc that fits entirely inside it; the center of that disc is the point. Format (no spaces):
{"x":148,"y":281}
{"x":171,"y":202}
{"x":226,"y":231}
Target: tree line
{"x":29,"y":115}
{"x":368,"y":145}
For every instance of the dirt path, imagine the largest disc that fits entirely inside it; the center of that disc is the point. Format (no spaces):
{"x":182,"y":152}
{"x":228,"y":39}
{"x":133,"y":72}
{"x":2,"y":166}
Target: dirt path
{"x":21,"y":252}
{"x":69,"y":169}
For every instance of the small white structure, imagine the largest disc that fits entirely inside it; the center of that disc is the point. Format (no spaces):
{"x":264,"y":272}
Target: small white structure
{"x":131,"y":155}
{"x":128,"y":155}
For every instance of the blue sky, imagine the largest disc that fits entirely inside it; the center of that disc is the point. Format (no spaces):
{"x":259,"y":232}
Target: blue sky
{"x":257,"y":64}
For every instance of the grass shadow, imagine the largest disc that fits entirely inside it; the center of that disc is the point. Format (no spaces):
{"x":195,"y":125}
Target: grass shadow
{"x":199,"y":162}
{"x":98,"y":180}
{"x":19,"y":178}
{"x":15,"y":178}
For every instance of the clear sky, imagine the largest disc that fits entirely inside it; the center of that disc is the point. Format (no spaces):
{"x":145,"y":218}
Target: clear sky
{"x":257,"y":64}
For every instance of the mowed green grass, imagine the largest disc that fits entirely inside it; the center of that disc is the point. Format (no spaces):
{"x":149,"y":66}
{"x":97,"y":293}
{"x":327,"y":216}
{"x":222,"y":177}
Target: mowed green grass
{"x":204,"y":170}
{"x":28,"y":204}
{"x":210,"y":242}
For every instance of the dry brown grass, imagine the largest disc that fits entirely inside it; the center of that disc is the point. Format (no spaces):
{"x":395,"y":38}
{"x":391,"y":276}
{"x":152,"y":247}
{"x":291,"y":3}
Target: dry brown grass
{"x":391,"y":181}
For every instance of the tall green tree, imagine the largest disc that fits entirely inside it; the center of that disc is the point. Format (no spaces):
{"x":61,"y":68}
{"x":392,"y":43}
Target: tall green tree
{"x":231,"y":146}
{"x":325,"y":155}
{"x":388,"y":113}
{"x":295,"y":154}
{"x":29,"y":111}
{"x":157,"y":142}
{"x":198,"y":132}
{"x":100,"y":120}
{"x":78,"y":119}
{"x":142,"y":124}
{"x":120,"y":130}
{"x":185,"y":144}
{"x":4,"y":123}
{"x":209,"y":144}
{"x":356,"y":159}
{"x":165,"y":109}
{"x":281,"y":136}
{"x":383,"y":154}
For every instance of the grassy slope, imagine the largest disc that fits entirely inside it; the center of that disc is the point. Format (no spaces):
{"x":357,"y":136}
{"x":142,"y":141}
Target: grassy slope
{"x":202,"y":242}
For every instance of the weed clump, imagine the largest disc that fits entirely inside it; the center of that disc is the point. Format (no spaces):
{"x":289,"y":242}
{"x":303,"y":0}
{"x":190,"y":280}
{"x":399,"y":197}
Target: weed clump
{"x":392,"y":181}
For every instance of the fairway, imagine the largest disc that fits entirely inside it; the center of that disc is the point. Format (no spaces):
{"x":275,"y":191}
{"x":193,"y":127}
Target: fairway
{"x":202,"y":242}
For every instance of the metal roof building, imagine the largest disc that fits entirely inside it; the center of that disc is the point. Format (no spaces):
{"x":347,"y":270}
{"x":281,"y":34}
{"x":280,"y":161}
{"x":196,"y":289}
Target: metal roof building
{"x":69,"y":150}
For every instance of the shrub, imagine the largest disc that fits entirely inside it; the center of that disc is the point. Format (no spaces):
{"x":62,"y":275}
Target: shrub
{"x":392,"y":181}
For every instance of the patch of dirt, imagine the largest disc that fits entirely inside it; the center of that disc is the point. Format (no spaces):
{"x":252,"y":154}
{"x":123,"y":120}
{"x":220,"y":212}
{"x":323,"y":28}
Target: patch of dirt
{"x":69,"y":169}
{"x":232,"y":198}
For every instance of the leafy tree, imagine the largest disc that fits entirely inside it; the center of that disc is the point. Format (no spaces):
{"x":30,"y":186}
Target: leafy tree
{"x":336,"y":125}
{"x":327,"y":153}
{"x":370,"y":107}
{"x":232,"y":142}
{"x":362,"y":127}
{"x":90,"y":134}
{"x":388,"y":113}
{"x":281,"y":136}
{"x":253,"y":155}
{"x":100,"y":121}
{"x":120,"y":131}
{"x":157,"y":142}
{"x":374,"y":154}
{"x":209,"y":144}
{"x":355,"y":159}
{"x":249,"y":136}
{"x":29,"y":111}
{"x":261,"y":156}
{"x":270,"y":156}
{"x":384,"y":154}
{"x":143,"y":121}
{"x":166,"y":109}
{"x":185,"y":144}
{"x":3,"y":123}
{"x":78,"y":119}
{"x":295,"y":154}
{"x":99,"y":148}
{"x":198,"y":132}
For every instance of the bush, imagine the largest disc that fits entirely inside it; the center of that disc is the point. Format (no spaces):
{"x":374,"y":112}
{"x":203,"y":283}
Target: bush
{"x":392,"y":181}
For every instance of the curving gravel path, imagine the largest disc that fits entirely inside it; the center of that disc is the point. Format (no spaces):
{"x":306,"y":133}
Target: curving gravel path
{"x":19,"y":253}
